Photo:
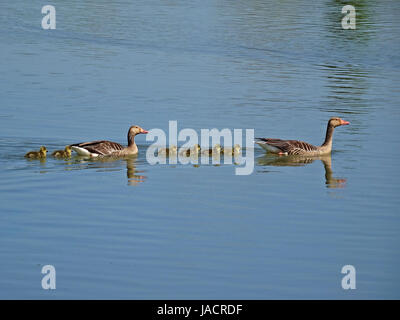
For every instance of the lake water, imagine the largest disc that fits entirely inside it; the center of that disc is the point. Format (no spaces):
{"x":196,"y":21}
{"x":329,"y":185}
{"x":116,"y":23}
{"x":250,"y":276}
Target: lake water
{"x":130,"y":230}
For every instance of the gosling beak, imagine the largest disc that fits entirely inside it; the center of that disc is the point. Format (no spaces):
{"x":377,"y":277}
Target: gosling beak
{"x":343,"y":123}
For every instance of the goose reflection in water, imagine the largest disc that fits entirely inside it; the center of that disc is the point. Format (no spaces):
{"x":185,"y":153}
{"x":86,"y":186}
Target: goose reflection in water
{"x":294,"y":161}
{"x":133,"y":178}
{"x":106,"y":164}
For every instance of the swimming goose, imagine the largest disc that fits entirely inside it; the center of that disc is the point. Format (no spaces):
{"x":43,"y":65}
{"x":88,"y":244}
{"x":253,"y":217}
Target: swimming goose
{"x":66,"y":153}
{"x":168,"y":151}
{"x":37,"y":154}
{"x":109,"y":148}
{"x":294,"y":147}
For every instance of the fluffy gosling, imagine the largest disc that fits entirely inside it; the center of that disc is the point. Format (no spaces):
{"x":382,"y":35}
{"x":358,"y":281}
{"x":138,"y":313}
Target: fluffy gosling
{"x":195,"y":150}
{"x":41,"y":154}
{"x":168,"y":151}
{"x":66,"y":153}
{"x":231,"y":151}
{"x":213,"y":151}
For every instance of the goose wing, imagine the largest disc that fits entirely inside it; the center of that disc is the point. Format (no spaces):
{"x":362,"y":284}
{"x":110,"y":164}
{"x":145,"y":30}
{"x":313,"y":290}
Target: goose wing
{"x":291,"y":147}
{"x":101,"y":147}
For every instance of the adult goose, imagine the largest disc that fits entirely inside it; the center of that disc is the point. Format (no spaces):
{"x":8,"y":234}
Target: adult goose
{"x":109,"y":148}
{"x":294,"y":147}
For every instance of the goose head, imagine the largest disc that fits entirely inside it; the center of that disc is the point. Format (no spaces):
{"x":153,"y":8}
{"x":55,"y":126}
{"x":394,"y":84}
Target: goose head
{"x":336,"y":122}
{"x":134,"y":130}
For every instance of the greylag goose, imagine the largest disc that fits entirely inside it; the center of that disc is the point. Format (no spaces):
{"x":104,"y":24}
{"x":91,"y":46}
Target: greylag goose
{"x":294,"y":147}
{"x":66,"y":153}
{"x":109,"y":148}
{"x":41,"y":154}
{"x":168,"y":151}
{"x":214,"y":151}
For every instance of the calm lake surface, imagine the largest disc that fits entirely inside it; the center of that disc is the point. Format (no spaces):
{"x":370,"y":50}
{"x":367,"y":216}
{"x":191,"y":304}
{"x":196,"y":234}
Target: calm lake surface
{"x":130,"y":230}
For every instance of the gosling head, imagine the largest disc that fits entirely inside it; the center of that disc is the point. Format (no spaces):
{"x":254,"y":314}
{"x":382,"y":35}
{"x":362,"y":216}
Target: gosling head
{"x":43,"y":151}
{"x":197,"y":147}
{"x":217,"y":147}
{"x":336,"y":122}
{"x":68,"y":150}
{"x":173,"y":148}
{"x":236,"y":148}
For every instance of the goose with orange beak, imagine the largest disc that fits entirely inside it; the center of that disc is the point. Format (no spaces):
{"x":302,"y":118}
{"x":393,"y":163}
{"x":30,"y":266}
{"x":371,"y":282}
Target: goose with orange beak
{"x":295,"y":147}
{"x":109,"y":148}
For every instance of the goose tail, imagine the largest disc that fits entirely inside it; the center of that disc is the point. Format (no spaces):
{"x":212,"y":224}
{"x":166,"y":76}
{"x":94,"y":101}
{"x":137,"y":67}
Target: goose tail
{"x":260,"y":141}
{"x":81,"y":151}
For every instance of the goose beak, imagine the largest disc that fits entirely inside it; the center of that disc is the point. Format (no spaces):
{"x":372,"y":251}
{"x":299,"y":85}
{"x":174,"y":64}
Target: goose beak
{"x":144,"y":131}
{"x":344,"y":123}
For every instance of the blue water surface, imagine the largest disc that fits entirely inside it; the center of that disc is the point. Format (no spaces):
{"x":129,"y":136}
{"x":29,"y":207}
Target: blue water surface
{"x":125,"y":229}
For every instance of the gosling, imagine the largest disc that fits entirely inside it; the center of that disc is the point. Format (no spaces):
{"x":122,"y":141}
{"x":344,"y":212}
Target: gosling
{"x":167,"y":151}
{"x":231,"y":151}
{"x":66,"y":153}
{"x":213,"y":151}
{"x":195,"y":150}
{"x":41,"y":154}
